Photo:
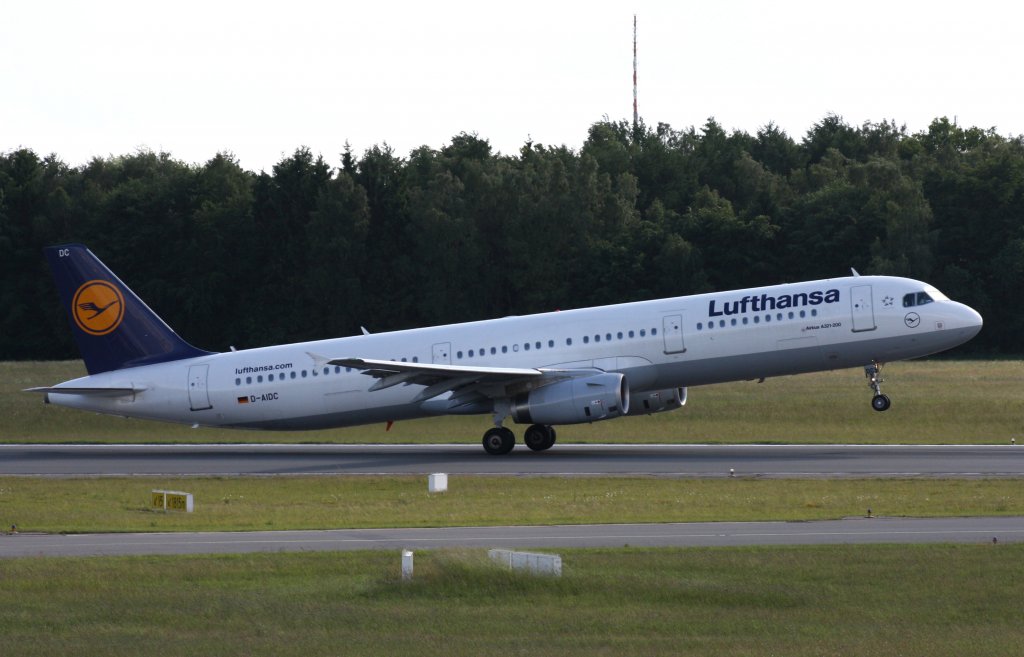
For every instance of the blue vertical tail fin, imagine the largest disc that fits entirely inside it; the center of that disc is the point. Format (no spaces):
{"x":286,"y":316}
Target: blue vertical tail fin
{"x":113,"y":328}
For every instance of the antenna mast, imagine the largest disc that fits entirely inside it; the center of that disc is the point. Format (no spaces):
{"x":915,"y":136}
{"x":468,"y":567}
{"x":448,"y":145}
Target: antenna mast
{"x":636,"y":116}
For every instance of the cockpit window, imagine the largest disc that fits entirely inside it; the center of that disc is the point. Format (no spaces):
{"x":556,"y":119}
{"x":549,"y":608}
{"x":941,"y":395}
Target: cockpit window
{"x":916,"y":299}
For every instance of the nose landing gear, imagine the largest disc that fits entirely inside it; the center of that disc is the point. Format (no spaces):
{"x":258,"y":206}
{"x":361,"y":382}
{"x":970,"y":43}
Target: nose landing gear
{"x":873,"y":372}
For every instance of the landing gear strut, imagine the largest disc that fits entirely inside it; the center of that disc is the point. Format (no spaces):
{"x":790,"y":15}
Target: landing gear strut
{"x":539,"y":437}
{"x":873,"y":372}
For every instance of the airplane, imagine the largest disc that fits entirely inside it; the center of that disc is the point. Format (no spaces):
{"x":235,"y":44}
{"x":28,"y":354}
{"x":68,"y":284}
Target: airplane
{"x":542,"y":370}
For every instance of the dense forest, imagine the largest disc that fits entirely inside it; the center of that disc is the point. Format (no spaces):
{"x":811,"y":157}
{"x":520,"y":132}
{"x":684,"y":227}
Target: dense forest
{"x":311,"y":250}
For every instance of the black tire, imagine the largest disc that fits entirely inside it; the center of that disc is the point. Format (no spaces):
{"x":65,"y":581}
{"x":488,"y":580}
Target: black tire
{"x":880,"y":403}
{"x":499,"y":441}
{"x":539,"y":437}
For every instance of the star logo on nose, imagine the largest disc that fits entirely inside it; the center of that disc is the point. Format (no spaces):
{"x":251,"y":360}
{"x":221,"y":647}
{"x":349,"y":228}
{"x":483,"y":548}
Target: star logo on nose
{"x":887,"y":302}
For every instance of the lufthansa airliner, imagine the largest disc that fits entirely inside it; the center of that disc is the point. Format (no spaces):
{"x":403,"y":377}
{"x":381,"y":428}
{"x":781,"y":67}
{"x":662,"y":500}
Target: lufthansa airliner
{"x":543,"y":370}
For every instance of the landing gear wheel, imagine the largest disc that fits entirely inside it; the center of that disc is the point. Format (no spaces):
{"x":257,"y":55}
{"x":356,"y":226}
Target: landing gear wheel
{"x":539,"y":437}
{"x":873,"y":372}
{"x":499,"y":440}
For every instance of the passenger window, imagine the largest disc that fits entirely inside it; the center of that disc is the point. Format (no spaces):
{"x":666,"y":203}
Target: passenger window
{"x":745,"y":321}
{"x":504,"y":349}
{"x":293,"y":374}
{"x":526,"y":346}
{"x":259,"y":379}
{"x":494,"y":350}
{"x":630,"y":334}
{"x":238,"y":382}
{"x":733,"y":321}
{"x":654,"y":331}
{"x":248,"y":380}
{"x":597,"y":338}
{"x":537,"y":344}
{"x":586,"y":339}
{"x":700,"y":326}
{"x":568,"y":342}
{"x":515,"y":347}
{"x":757,"y":319}
{"x":458,"y":354}
{"x":643,"y":333}
{"x":327,"y":371}
{"x":551,"y":343}
{"x":303,"y":374}
{"x":470,"y":353}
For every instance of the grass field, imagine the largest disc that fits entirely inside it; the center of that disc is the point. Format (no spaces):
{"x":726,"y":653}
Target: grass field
{"x":938,"y":402}
{"x":928,"y":600}
{"x":918,"y":600}
{"x":241,"y":504}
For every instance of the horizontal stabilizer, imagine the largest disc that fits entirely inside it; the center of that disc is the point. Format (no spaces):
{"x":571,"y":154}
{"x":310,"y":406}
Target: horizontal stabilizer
{"x":89,"y":392}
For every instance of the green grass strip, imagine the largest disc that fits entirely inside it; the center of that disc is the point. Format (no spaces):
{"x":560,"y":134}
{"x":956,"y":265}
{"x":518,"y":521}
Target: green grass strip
{"x":915,"y":600}
{"x":246,"y":503}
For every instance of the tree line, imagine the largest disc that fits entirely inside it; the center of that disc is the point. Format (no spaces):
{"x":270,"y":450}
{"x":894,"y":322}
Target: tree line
{"x":311,"y":250}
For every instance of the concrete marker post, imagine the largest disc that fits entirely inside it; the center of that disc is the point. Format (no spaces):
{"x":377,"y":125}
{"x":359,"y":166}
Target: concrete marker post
{"x":406,"y":565}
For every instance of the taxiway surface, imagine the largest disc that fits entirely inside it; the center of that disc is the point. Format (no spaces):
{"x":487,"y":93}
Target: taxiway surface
{"x":699,"y":534}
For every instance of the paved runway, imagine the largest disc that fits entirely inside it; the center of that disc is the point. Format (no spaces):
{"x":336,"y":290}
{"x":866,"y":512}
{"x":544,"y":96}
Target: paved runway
{"x":565,"y":460}
{"x":706,"y":534}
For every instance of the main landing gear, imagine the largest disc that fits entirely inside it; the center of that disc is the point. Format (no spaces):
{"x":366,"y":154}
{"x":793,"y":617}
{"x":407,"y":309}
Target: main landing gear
{"x":873,"y":372}
{"x":499,"y":440}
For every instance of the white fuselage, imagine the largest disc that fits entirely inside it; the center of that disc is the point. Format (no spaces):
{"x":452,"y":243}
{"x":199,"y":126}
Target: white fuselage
{"x":656,"y":345}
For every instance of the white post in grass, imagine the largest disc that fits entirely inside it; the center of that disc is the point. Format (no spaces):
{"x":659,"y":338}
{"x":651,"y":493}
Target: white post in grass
{"x":406,"y":565}
{"x":437,"y":483}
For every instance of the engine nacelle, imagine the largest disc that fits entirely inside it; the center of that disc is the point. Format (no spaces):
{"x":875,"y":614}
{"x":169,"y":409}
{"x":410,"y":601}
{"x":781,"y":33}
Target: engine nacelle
{"x":582,"y":399}
{"x":657,"y":401}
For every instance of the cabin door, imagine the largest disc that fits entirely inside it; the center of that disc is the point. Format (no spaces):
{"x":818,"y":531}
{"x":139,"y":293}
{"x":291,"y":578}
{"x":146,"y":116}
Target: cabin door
{"x":860,"y":307}
{"x":198,"y":395}
{"x":672,"y":333}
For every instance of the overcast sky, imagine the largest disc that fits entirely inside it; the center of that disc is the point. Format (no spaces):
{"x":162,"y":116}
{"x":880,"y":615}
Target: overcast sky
{"x":259,"y":79}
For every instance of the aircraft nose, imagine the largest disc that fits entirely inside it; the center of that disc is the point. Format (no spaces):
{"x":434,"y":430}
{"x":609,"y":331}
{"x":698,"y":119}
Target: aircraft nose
{"x":970,"y":319}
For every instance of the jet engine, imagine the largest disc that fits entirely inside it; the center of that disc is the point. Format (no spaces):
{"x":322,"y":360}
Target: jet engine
{"x":573,"y":401}
{"x":657,"y":401}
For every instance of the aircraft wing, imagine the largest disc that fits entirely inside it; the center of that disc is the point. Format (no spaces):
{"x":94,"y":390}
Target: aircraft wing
{"x":439,"y":379}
